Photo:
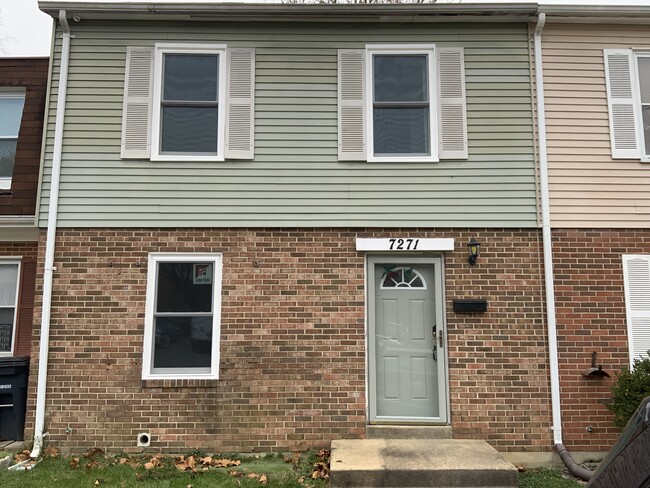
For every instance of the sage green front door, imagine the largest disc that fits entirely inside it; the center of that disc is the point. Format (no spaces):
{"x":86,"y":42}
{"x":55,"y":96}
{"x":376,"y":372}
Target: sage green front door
{"x":407,"y":353}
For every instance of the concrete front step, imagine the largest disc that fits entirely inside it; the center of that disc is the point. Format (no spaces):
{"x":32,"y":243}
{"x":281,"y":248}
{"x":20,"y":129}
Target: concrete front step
{"x":419,"y":462}
{"x":409,"y":432}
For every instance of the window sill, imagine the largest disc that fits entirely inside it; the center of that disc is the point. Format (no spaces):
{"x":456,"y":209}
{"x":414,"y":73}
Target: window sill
{"x":180,"y":383}
{"x":402,"y":159}
{"x":181,"y":157}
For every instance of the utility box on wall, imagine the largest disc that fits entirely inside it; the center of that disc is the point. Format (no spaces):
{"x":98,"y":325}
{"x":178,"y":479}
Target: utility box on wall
{"x":472,"y":305}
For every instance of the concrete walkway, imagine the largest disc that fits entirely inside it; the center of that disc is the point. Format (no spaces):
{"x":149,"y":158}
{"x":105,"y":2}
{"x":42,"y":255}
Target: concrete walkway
{"x":419,"y":462}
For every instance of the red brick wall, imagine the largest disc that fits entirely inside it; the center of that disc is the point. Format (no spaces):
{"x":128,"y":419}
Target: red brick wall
{"x":293,"y":366}
{"x":29,"y":73}
{"x":27,"y":251}
{"x":590,"y":306}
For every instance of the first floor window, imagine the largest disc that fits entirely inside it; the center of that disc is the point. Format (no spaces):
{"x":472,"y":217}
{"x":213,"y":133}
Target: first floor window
{"x":183,"y":316}
{"x":9,"y":273}
{"x":11,"y":113}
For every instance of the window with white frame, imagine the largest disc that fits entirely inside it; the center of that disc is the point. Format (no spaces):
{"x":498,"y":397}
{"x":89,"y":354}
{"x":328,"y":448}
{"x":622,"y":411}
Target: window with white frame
{"x":643,"y":79}
{"x":401,"y":116}
{"x":11,"y":113}
{"x":188,"y":102}
{"x":182,"y":320}
{"x":402,"y":103}
{"x":188,"y":111}
{"x":9,"y":284}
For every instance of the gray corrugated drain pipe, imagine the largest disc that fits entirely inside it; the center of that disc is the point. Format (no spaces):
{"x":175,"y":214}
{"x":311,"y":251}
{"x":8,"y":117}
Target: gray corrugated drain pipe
{"x":574,"y":468}
{"x":50,"y":241}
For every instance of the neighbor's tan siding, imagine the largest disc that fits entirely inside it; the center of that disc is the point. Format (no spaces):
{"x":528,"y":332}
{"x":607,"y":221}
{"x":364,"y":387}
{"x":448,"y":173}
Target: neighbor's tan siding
{"x":588,"y":188}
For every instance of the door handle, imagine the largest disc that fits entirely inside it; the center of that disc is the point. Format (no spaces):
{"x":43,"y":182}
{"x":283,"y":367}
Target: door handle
{"x":440,"y":338}
{"x":435,"y":346}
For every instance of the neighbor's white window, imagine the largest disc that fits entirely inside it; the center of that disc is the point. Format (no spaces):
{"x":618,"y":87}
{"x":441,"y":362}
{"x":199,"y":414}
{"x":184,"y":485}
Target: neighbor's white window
{"x":11,"y":113}
{"x":188,"y":102}
{"x":643,"y":71}
{"x":401,"y":106}
{"x":182,"y":320}
{"x":9,"y":274}
{"x":636,"y":277}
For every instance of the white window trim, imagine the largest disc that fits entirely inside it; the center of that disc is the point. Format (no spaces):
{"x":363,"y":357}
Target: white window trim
{"x":5,"y":181}
{"x":18,"y":261}
{"x":429,"y":50}
{"x":166,"y":48}
{"x":147,"y":360}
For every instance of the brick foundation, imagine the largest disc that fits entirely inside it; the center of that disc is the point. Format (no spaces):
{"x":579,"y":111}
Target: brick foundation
{"x":293,"y":365}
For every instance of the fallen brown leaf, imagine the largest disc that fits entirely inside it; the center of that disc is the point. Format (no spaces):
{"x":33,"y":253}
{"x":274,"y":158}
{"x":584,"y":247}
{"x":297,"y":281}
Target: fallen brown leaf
{"x":91,"y":465}
{"x":206,"y":460}
{"x":74,"y":463}
{"x":123,"y":460}
{"x":94,"y":452}
{"x":97,"y":482}
{"x":252,"y":475}
{"x":51,"y":451}
{"x":149,"y":466}
{"x":301,"y":479}
{"x":263,"y":479}
{"x":21,"y":456}
{"x":224,"y":463}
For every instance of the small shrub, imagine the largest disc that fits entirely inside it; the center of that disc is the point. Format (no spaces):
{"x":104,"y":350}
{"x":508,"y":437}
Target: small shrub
{"x":629,"y":389}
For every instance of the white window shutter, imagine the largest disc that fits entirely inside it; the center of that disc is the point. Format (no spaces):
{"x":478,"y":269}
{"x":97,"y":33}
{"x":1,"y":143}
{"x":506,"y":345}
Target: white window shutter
{"x":636,"y":270}
{"x":240,"y":108}
{"x":136,"y":109}
{"x":621,"y":103}
{"x":452,"y":110}
{"x":351,"y":110}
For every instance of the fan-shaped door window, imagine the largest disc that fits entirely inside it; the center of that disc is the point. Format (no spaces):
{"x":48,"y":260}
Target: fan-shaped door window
{"x":403,"y":277}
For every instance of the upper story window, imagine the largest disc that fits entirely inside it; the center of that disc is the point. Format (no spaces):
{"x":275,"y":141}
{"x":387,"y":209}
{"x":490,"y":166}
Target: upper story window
{"x":188,"y":115}
{"x":9,"y":273}
{"x":188,"y":102}
{"x":11,"y":113}
{"x":402,"y":103}
{"x":643,"y":70}
{"x":182,"y":318}
{"x":401,"y":118}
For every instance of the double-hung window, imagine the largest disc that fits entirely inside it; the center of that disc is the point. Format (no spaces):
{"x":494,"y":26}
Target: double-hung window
{"x":9,"y":276}
{"x":11,"y":112}
{"x":402,"y":122}
{"x":182,"y":319}
{"x":188,"y":102}
{"x":402,"y":103}
{"x":188,"y":111}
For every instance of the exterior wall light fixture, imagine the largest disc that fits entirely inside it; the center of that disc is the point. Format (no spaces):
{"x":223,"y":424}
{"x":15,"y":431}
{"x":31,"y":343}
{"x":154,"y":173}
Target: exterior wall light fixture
{"x":473,"y":246}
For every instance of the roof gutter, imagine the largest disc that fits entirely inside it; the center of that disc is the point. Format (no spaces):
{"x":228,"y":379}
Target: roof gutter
{"x":219,"y":11}
{"x":549,"y":278}
{"x":48,"y":275}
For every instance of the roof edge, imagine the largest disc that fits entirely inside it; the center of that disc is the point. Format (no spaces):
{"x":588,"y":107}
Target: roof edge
{"x":272,"y":11}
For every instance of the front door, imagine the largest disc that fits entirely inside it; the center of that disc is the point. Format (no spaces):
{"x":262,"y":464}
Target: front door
{"x":406,"y":339}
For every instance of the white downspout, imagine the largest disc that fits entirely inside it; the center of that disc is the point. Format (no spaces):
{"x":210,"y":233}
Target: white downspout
{"x":50,"y":242}
{"x":546,"y":235}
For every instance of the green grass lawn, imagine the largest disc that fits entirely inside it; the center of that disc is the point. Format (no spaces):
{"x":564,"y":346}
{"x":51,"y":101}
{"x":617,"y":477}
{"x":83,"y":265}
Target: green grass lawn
{"x":545,"y":478}
{"x":131,"y":471}
{"x":94,"y":469}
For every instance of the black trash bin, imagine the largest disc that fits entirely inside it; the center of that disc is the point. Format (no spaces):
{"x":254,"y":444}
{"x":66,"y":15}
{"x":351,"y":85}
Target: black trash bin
{"x":13,"y":397}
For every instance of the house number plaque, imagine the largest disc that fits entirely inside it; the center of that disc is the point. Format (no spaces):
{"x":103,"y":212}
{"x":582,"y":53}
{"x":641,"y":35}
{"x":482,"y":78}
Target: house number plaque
{"x":403,"y":243}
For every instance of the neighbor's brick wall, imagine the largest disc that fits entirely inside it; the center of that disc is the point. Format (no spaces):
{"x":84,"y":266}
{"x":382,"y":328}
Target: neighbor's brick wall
{"x":590,"y":306}
{"x":292,"y":342}
{"x":29,"y":73}
{"x":28,"y":252}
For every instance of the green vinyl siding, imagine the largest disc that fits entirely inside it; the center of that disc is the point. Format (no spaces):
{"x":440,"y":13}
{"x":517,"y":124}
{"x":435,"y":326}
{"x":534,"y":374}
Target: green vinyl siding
{"x":295,"y":178}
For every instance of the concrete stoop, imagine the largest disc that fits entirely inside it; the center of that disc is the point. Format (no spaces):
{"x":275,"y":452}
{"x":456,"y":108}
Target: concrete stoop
{"x":456,"y":463}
